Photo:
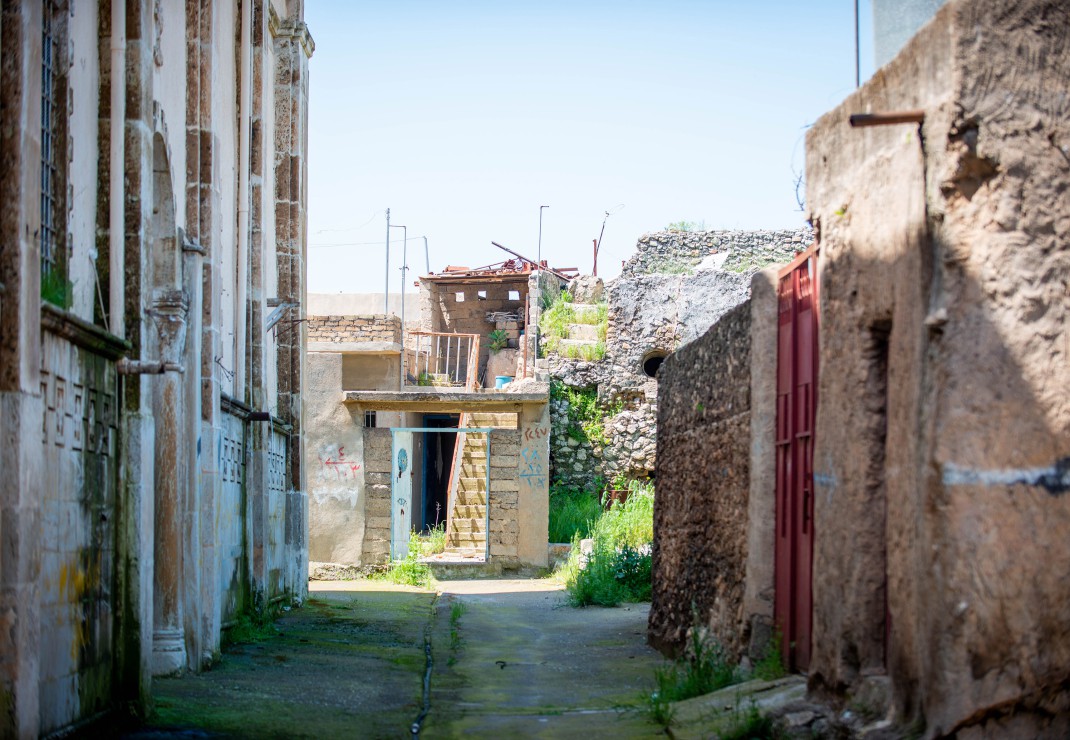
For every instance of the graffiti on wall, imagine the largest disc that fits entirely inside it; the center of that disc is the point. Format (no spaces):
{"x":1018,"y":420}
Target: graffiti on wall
{"x":337,"y":464}
{"x":533,"y":471}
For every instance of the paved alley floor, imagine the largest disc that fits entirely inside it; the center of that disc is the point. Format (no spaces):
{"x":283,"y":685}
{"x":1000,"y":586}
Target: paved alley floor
{"x":510,"y":659}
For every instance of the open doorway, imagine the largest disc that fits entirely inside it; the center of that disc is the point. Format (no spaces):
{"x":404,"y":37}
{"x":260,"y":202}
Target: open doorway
{"x":438,"y":460}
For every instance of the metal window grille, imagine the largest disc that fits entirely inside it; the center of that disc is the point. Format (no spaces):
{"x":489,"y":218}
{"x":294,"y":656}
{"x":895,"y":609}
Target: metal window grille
{"x":50,"y":257}
{"x":369,"y":419}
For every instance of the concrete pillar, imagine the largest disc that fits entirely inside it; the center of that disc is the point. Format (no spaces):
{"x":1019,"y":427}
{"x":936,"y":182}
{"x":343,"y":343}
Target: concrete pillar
{"x":533,"y":504}
{"x":192,"y":259}
{"x":168,"y":644}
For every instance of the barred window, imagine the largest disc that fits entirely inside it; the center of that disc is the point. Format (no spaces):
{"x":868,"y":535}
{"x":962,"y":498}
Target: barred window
{"x":54,"y":285}
{"x":369,"y":419}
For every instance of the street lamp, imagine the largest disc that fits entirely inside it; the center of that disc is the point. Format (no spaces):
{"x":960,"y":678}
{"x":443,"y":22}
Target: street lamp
{"x":403,"y":268}
{"x":539,"y":255}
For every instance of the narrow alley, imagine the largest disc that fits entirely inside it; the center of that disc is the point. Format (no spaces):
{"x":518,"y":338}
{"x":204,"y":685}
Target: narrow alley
{"x":509,"y":659}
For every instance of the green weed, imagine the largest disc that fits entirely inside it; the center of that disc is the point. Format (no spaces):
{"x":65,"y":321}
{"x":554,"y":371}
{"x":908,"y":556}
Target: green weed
{"x":771,"y":665}
{"x":497,"y":340}
{"x":686,"y":226}
{"x":572,"y":512}
{"x":702,"y":669}
{"x":619,"y":567}
{"x":251,"y":626}
{"x":56,"y":288}
{"x":433,"y":541}
{"x":586,"y":418}
{"x":751,"y":724}
{"x":409,"y":571}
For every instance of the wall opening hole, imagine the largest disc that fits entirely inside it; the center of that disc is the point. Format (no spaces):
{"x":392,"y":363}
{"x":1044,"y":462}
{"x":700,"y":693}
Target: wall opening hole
{"x":514,"y":295}
{"x":481,"y":295}
{"x":459,"y":296}
{"x":652,"y":362}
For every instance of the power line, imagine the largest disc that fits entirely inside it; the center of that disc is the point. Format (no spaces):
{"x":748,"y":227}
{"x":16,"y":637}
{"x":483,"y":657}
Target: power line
{"x":355,"y":244}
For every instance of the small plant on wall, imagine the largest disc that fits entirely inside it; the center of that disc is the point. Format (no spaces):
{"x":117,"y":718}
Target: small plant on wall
{"x":498,"y":339}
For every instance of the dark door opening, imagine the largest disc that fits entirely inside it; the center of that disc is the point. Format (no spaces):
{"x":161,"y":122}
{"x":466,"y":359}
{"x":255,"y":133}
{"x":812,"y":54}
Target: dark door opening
{"x":438,"y":461}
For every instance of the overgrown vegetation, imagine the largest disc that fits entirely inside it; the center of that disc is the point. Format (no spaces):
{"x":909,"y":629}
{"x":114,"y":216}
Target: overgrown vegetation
{"x":252,"y":625}
{"x":554,"y":328}
{"x":572,"y":512}
{"x":586,"y":417}
{"x":751,"y":724}
{"x":497,"y":340}
{"x":433,"y":541}
{"x":409,"y":571}
{"x":618,"y":567}
{"x":771,"y":665}
{"x":686,"y":226}
{"x":703,"y":668}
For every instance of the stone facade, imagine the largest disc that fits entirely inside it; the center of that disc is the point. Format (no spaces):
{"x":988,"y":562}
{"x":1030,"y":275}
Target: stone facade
{"x":651,"y":315}
{"x":151,"y":470}
{"x":675,"y":252}
{"x":372,"y":328}
{"x":703,"y":480}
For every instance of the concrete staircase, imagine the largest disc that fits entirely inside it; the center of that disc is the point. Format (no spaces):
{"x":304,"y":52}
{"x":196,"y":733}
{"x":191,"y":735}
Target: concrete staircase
{"x":466,"y":528}
{"x":580,"y":335}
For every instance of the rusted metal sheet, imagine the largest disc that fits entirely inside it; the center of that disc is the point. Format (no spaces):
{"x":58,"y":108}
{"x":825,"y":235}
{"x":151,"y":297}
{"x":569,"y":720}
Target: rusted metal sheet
{"x":797,"y":360}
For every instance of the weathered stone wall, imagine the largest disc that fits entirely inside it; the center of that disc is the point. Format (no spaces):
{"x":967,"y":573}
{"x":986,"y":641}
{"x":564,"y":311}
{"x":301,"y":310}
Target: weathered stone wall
{"x":703,"y":479}
{"x":377,"y":462}
{"x":648,"y":314}
{"x":372,"y":328}
{"x":504,"y":495}
{"x":673,"y":252}
{"x":943,"y":427}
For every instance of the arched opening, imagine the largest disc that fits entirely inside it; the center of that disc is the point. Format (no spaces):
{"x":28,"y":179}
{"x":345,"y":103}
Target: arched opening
{"x":652,"y":362}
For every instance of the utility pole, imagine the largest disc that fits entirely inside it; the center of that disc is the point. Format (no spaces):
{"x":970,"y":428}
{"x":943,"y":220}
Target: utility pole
{"x":386,"y":284}
{"x":538,"y":256}
{"x":403,"y":268}
{"x":427,"y":257}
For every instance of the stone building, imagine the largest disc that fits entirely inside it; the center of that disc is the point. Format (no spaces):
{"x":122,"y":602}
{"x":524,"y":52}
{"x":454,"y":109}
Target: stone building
{"x":409,"y":431}
{"x":152,"y":170}
{"x":917,"y":545}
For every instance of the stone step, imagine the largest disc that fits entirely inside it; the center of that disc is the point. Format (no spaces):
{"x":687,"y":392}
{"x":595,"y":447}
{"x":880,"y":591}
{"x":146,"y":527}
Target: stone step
{"x":471,"y":498}
{"x":472,"y":484}
{"x":470,"y":511}
{"x":584,"y":307}
{"x":466,"y":540}
{"x":583,"y":332}
{"x":469,"y":525}
{"x":474,"y":470}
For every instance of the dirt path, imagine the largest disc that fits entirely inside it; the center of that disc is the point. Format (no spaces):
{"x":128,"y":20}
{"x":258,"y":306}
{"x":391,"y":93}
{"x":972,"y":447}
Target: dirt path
{"x":511,"y":659}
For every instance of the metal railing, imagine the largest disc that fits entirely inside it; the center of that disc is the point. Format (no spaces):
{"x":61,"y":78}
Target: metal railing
{"x":440,"y":359}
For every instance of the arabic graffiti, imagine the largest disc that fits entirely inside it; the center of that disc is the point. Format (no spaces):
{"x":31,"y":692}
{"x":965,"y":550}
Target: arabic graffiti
{"x":343,"y":469}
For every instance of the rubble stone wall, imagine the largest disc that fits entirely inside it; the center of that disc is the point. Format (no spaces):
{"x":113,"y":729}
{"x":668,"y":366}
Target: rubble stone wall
{"x":371,"y":328}
{"x":668,"y":252}
{"x":703,"y":479}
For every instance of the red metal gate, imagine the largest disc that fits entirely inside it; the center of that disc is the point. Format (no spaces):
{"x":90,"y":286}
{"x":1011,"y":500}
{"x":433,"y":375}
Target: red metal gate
{"x":796,"y":409}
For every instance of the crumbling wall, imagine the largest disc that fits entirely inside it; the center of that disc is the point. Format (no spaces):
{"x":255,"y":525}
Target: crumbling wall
{"x":649,"y":315}
{"x":943,"y":426}
{"x":668,"y":252}
{"x":371,"y":328}
{"x":703,"y":479}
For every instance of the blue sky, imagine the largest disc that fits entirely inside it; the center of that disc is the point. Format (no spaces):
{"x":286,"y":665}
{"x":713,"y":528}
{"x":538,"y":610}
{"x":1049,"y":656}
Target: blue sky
{"x":464,"y":117}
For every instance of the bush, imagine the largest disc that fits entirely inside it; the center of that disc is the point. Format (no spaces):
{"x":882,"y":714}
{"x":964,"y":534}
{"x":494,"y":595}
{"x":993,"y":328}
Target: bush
{"x":572,"y":512}
{"x":409,"y":571}
{"x":619,"y":566}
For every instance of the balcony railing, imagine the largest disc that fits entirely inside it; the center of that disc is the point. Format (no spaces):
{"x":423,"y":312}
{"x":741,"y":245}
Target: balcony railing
{"x":439,"y":359}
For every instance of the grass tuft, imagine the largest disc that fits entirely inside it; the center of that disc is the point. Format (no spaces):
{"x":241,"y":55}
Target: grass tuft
{"x":572,"y":512}
{"x":703,"y":668}
{"x":409,"y":571}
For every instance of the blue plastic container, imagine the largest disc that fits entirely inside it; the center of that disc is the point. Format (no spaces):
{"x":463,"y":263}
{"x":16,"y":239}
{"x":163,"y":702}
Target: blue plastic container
{"x":501,"y":380}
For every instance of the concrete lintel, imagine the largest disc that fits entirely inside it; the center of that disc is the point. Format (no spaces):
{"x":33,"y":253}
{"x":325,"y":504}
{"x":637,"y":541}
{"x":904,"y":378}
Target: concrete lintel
{"x":454,"y":402}
{"x":367,"y":348}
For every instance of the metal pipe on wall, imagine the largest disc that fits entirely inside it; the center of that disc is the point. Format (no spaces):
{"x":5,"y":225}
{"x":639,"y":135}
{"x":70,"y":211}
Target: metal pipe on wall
{"x":116,"y":167}
{"x":244,"y":124}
